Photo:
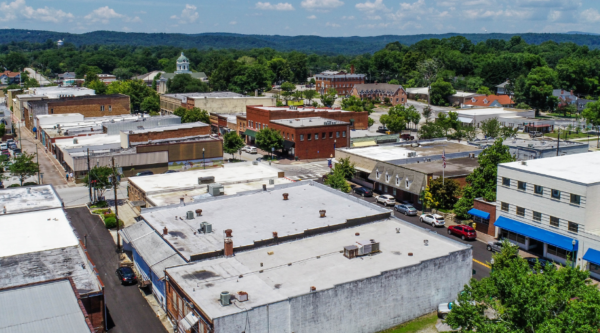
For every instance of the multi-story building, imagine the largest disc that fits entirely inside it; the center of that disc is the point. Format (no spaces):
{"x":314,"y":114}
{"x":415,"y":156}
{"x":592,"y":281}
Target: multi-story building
{"x":381,"y":91}
{"x":549,"y":207}
{"x":342,"y":81}
{"x":213,"y":102}
{"x":8,"y":77}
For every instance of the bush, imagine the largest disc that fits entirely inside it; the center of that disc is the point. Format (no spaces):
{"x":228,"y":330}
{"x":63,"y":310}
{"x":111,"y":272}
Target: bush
{"x":110,"y":222}
{"x":99,"y":211}
{"x":100,"y":204}
{"x":110,"y":215}
{"x":29,"y":183}
{"x":14,"y":185}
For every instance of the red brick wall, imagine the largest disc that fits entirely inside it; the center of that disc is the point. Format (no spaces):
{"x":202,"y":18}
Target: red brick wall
{"x":94,"y":306}
{"x":338,"y":84}
{"x":256,"y":115}
{"x":399,"y":97}
{"x":91,"y":107}
{"x":314,"y":149}
{"x":488,"y":208}
{"x":169,"y":134}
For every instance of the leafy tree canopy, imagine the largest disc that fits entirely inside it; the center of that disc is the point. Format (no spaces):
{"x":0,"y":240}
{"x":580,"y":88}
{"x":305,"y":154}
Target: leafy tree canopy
{"x":185,"y":83}
{"x":439,"y":92}
{"x":193,"y":115}
{"x":23,"y":166}
{"x":268,"y":138}
{"x":232,"y":143}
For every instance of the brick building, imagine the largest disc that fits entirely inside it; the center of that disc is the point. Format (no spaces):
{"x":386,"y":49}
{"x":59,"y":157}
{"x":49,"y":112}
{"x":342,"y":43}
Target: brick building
{"x":88,"y":106}
{"x":180,"y":131}
{"x":394,"y":92}
{"x":481,"y":210}
{"x":312,"y":138}
{"x":343,"y":82}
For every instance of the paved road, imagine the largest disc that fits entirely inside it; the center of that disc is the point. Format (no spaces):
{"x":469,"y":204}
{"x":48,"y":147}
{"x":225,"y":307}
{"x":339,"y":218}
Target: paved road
{"x":129,"y":311}
{"x":52,"y":172}
{"x":79,"y":195}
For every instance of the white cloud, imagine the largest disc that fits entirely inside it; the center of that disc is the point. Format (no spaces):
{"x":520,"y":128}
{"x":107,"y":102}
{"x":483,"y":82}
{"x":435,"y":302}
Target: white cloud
{"x":333,"y":25}
{"x":321,"y":5}
{"x":102,"y":15}
{"x":373,"y":17}
{"x":19,"y":9}
{"x":312,"y":17}
{"x":590,"y":15}
{"x":279,"y":6}
{"x":348,"y":17}
{"x":371,"y":7}
{"x":188,"y":14}
{"x":233,"y":22}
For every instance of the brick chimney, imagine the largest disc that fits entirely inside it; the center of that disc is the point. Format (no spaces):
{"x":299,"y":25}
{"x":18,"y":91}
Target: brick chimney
{"x":165,"y":231}
{"x":228,"y":248}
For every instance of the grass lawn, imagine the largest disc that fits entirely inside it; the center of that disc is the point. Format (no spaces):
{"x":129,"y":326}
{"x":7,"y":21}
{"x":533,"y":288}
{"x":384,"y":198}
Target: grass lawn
{"x":422,"y":324}
{"x":573,"y":135}
{"x":560,"y":115}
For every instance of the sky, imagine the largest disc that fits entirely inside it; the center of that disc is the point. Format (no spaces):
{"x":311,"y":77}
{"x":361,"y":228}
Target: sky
{"x":304,"y":17}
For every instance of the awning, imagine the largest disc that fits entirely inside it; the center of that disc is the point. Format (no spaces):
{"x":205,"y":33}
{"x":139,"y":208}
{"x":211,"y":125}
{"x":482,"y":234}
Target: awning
{"x":592,"y":256}
{"x":479,"y":213}
{"x":465,"y":120}
{"x":250,"y":133}
{"x":364,"y":144}
{"x":288,"y":144}
{"x":542,"y":235}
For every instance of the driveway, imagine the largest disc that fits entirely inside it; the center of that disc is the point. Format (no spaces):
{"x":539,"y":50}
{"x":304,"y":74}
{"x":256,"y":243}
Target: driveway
{"x":129,"y":311}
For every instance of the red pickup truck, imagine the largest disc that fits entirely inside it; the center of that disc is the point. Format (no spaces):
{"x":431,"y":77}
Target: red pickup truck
{"x":407,"y":137}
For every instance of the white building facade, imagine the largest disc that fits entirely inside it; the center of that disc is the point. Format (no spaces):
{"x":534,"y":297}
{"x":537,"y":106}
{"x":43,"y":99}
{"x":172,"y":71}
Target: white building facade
{"x":549,"y":207}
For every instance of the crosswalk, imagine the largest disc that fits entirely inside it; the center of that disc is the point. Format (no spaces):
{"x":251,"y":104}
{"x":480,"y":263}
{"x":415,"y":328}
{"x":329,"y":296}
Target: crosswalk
{"x":308,"y":171}
{"x":304,"y":177}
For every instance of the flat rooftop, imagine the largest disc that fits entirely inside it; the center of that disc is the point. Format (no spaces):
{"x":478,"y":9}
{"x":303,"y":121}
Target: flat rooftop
{"x":92,"y":140}
{"x":188,"y":180}
{"x":30,"y":198}
{"x":579,"y":168}
{"x":488,"y":111}
{"x":298,"y":108}
{"x":364,"y":133}
{"x":454,"y":167}
{"x":293,"y":267}
{"x":535,"y":144}
{"x":35,"y":231}
{"x":215,"y":94}
{"x":401,"y":151}
{"x":44,"y":307}
{"x":309,"y":122}
{"x":293,"y":217}
{"x":200,"y":193}
{"x":167,"y":128}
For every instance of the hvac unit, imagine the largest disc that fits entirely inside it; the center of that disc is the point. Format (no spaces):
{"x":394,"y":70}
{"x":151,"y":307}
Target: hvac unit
{"x":412,"y":154}
{"x":254,"y":163}
{"x":206,"y":180}
{"x":189,"y":215}
{"x":216,"y":189}
{"x":225,"y":298}
{"x":271,"y":181}
{"x":205,"y":227}
{"x":367,"y":247}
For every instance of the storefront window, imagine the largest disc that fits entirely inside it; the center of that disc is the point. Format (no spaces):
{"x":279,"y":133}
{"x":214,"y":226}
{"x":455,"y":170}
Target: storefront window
{"x":561,"y":253}
{"x":512,"y":236}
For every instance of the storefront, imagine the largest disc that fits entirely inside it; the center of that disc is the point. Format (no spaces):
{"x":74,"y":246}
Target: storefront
{"x":593,"y":258}
{"x":481,"y":219}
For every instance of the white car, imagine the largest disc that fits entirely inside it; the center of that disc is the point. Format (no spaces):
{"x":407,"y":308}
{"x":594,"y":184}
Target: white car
{"x":250,"y":150}
{"x":3,"y":146}
{"x":386,"y":200}
{"x":435,"y":220}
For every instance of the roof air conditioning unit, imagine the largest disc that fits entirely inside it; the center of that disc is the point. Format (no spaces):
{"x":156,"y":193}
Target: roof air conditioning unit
{"x":205,"y":227}
{"x":271,"y":181}
{"x":254,"y":162}
{"x":189,"y":215}
{"x":74,"y":139}
{"x":216,"y":189}
{"x":225,"y":298}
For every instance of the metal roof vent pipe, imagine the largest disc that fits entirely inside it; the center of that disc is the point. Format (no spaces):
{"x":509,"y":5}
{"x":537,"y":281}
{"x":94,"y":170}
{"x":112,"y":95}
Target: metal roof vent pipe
{"x":228,"y":247}
{"x":165,"y":231}
{"x":181,"y":201}
{"x":322,"y":212}
{"x":286,"y":196}
{"x":228,"y":233}
{"x":4,"y":210}
{"x":524,"y":163}
{"x":426,"y":242}
{"x":198,"y":212}
{"x":313,"y":289}
{"x":29,"y":190}
{"x":275,"y":234}
{"x":264,"y":187}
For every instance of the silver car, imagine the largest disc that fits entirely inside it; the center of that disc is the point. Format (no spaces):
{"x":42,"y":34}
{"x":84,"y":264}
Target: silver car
{"x":386,"y":200}
{"x":406,"y":209}
{"x":495,"y":246}
{"x":435,"y":220}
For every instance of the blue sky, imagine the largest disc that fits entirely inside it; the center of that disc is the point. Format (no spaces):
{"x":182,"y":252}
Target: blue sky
{"x":304,"y":17}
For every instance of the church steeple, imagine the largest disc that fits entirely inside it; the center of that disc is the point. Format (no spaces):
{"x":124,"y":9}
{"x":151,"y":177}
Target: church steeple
{"x":183,"y":65}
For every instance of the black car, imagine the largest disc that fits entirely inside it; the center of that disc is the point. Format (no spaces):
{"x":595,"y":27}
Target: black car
{"x":145,"y":173}
{"x":363,"y":191}
{"x":170,"y":171}
{"x":544,"y":263}
{"x":126,"y":275}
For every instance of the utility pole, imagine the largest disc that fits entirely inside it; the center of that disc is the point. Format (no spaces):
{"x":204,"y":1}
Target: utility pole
{"x":89,"y":174}
{"x":37,"y":160}
{"x":558,"y":145}
{"x":114,"y":181}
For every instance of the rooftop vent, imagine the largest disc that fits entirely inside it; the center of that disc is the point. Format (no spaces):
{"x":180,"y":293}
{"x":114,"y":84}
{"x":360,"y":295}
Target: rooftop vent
{"x":228,"y":247}
{"x":74,"y":140}
{"x":228,"y":232}
{"x":206,"y":180}
{"x":242,"y":296}
{"x":198,"y":212}
{"x":313,"y":289}
{"x":322,"y":212}
{"x":225,"y":298}
{"x":286,"y":196}
{"x":523,"y":162}
{"x":165,"y":231}
{"x":189,"y":215}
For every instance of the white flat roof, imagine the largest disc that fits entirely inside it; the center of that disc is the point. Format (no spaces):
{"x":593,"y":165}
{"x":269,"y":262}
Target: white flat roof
{"x":298,"y":108}
{"x":92,"y":140}
{"x":487,"y":111}
{"x":580,"y":168}
{"x":35,"y":231}
{"x":256,"y":215}
{"x":167,"y":128}
{"x":195,"y":195}
{"x":188,"y":180}
{"x":30,"y":198}
{"x":293,"y":267}
{"x":400,"y":151}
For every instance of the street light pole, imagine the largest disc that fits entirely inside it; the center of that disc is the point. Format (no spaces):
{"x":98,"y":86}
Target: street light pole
{"x":115,"y":179}
{"x":203,"y":161}
{"x":37,"y":160}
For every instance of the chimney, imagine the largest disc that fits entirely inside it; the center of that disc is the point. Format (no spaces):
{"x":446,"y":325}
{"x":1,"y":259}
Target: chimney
{"x":181,"y":202}
{"x":351,"y":69}
{"x":285,"y":196}
{"x":313,"y":289}
{"x":264,"y":187}
{"x":198,"y":212}
{"x":322,"y":212}
{"x":274,"y":234}
{"x":228,"y":249}
{"x":165,"y":231}
{"x":228,"y":233}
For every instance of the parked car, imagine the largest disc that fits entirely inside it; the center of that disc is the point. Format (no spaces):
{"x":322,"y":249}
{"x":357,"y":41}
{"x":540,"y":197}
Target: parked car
{"x":382,"y":129}
{"x":16,"y":152}
{"x":444,"y":308}
{"x":3,"y":146}
{"x":251,"y":150}
{"x":435,"y":220}
{"x":145,"y":173}
{"x":535,"y":134}
{"x":386,"y":200}
{"x":10,"y":140}
{"x":407,"y":137}
{"x":170,"y":171}
{"x":495,"y":246}
{"x":544,"y":263}
{"x":126,"y":275}
{"x":363,"y":191}
{"x":12,"y":146}
{"x":406,"y":209}
{"x":463,"y":231}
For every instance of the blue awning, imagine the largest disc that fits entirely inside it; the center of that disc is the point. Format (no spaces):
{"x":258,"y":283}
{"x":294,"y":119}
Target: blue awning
{"x":479,"y":213}
{"x":592,"y":256}
{"x":539,"y":234}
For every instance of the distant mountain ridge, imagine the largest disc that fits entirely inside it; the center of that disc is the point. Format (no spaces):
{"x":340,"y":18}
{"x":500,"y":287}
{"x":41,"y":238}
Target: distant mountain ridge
{"x":309,"y":44}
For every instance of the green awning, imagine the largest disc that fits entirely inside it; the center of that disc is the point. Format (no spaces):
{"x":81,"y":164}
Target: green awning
{"x":250,"y":133}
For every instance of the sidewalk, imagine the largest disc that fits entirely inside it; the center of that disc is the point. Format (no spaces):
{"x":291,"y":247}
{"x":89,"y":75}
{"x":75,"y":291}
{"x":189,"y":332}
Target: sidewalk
{"x":53,"y":172}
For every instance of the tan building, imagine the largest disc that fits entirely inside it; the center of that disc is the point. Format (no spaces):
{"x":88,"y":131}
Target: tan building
{"x":213,"y":102}
{"x":381,"y":91}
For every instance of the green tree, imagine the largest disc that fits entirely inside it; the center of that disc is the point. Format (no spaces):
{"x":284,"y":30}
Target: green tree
{"x":98,"y":86}
{"x":481,"y":183}
{"x":155,"y":80}
{"x":430,"y":131}
{"x":151,"y":104}
{"x":329,"y":97}
{"x":355,"y":104}
{"x":474,"y":83}
{"x":232,"y":143}
{"x":508,"y":132}
{"x":337,"y":180}
{"x":2,"y":130}
{"x":513,"y":299}
{"x":567,"y":109}
{"x":490,"y":127}
{"x":185,"y":83}
{"x":268,"y":138}
{"x":193,"y":115}
{"x":346,"y":168}
{"x":427,"y":113}
{"x":310,"y":95}
{"x":98,"y":179}
{"x":591,"y":113}
{"x":445,"y":192}
{"x":23,"y":166}
{"x":440,"y":90}
{"x":448,"y":121}
{"x":281,"y":69}
{"x":288,"y":89}
{"x":538,"y":89}
{"x":394,"y":81}
{"x":137,"y":90}
{"x":484,"y":90}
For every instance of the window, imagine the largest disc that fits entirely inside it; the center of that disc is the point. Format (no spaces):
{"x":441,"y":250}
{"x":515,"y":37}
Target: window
{"x":337,"y":134}
{"x":537,"y":216}
{"x":573,"y":227}
{"x":505,"y":234}
{"x":538,"y":189}
{"x":380,"y":187}
{"x":394,"y":190}
{"x":575,"y":199}
{"x":309,"y":136}
{"x":555,"y":251}
{"x":301,"y":137}
{"x":344,"y":134}
{"x":323,"y":135}
{"x":385,"y":188}
{"x":397,"y":181}
{"x":377,"y":174}
{"x":387,"y":177}
{"x":505,"y":181}
{"x":51,"y":111}
{"x":556,"y":194}
{"x":520,"y":211}
{"x":110,"y":108}
{"x":292,"y":137}
{"x":407,"y":183}
{"x":330,"y":135}
{"x":101,"y":107}
{"x":316,"y":136}
{"x":554,"y":221}
{"x":504,"y":207}
{"x":522,"y":186}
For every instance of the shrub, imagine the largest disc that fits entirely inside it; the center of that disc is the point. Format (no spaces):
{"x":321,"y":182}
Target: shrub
{"x":30,"y":183}
{"x":110,"y":222}
{"x":100,"y":204}
{"x":14,"y":185}
{"x":107,"y":216}
{"x":99,"y":211}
